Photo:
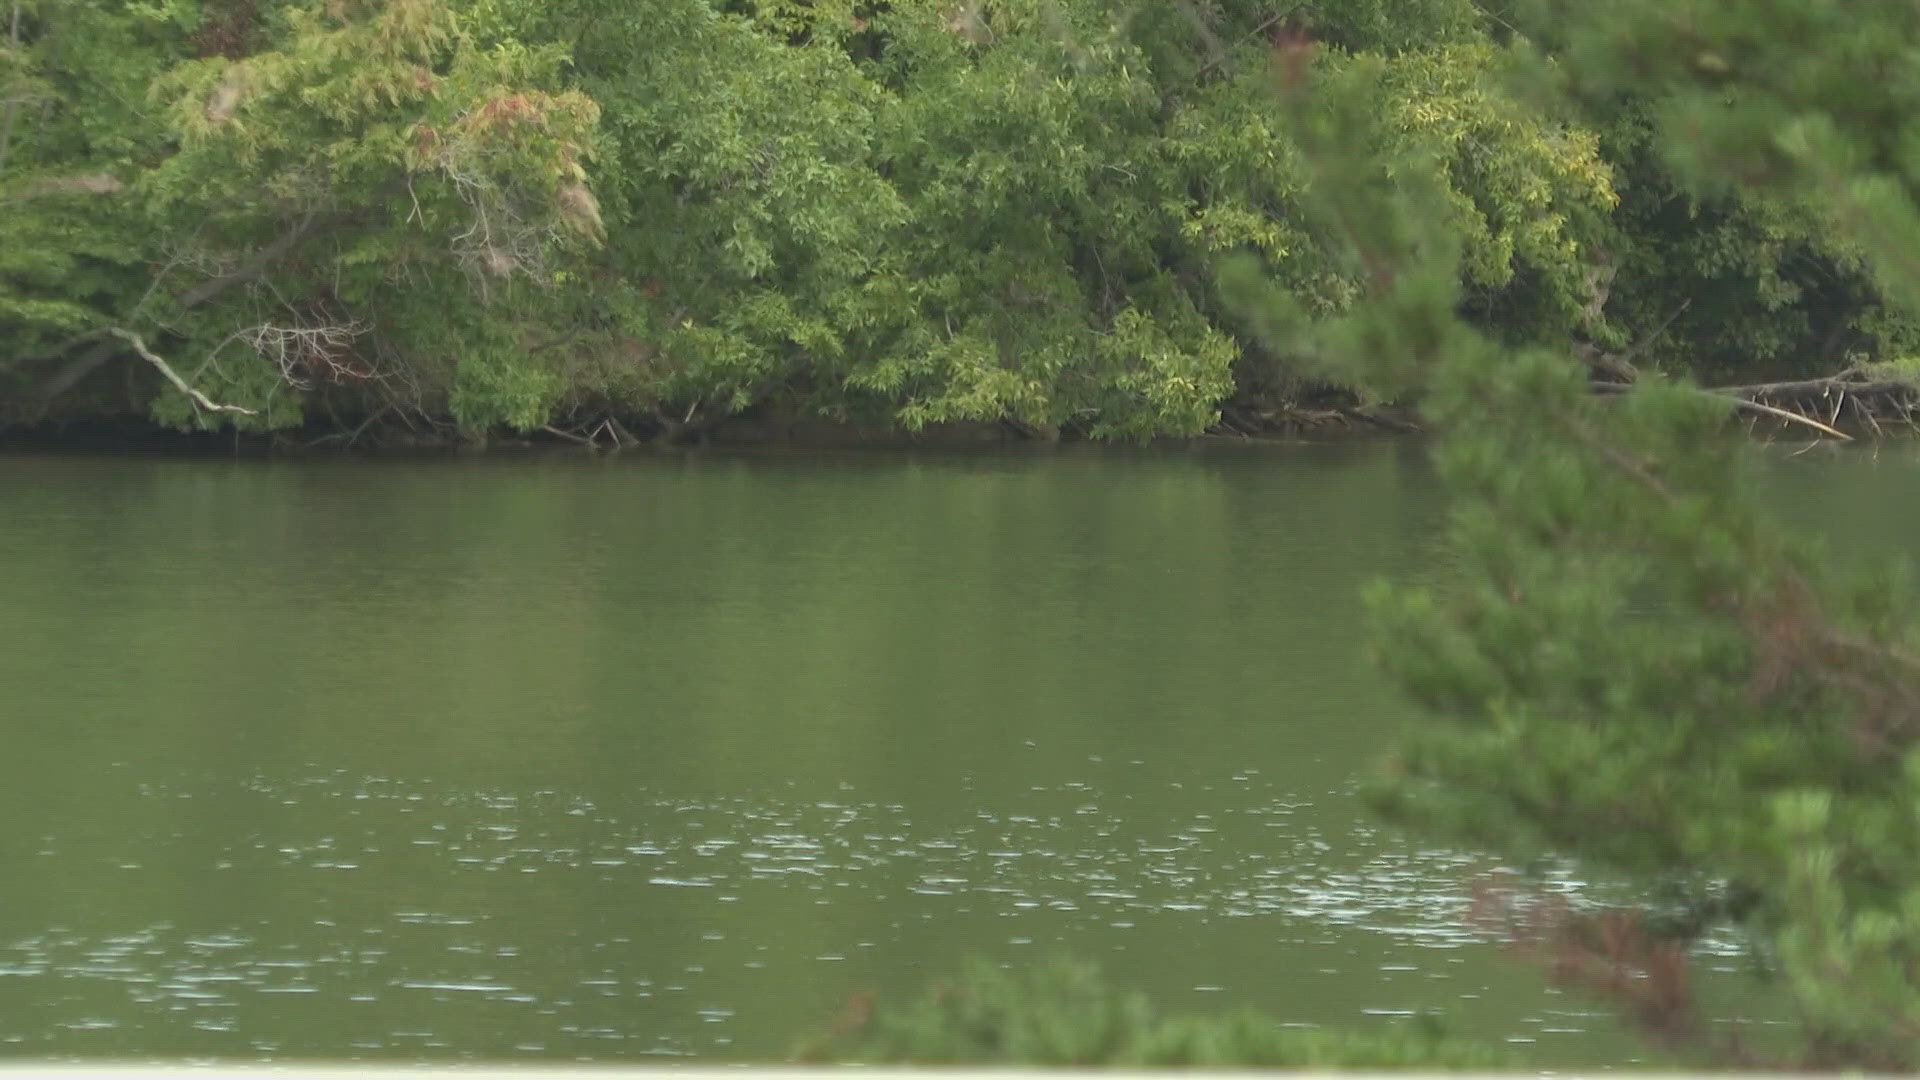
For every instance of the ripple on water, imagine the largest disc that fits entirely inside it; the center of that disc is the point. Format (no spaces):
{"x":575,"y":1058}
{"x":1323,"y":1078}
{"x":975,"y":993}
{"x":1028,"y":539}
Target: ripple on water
{"x":1071,"y":859}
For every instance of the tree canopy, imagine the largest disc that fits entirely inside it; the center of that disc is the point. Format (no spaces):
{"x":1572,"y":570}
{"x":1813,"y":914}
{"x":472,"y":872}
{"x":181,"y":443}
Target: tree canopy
{"x":1637,"y":666}
{"x":463,"y":216}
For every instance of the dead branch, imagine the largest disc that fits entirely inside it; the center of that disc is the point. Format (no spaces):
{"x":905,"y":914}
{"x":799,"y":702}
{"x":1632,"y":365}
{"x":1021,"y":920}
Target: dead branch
{"x":199,"y":399}
{"x":1618,"y":367}
{"x":1607,"y":367}
{"x":97,"y":184}
{"x":1842,"y":390}
{"x":303,"y":352}
{"x":1746,"y":405}
{"x":253,"y":267}
{"x":1377,"y":418}
{"x":1867,"y":394}
{"x":589,"y":434}
{"x":78,"y":368}
{"x":622,"y":437}
{"x":1616,"y":955}
{"x":1850,"y":381}
{"x":567,"y":435}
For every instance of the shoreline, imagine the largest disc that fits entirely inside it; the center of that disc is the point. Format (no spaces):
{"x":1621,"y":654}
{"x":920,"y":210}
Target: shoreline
{"x":128,"y":435}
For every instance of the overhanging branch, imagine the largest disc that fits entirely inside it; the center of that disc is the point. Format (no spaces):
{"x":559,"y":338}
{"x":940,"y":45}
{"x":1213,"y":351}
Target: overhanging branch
{"x":166,"y":369}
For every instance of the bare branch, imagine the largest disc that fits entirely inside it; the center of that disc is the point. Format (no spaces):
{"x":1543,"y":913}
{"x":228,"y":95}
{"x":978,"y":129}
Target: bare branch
{"x":1847,"y":381}
{"x":1740,"y":402}
{"x":567,"y":435}
{"x":1788,"y":415}
{"x":301,"y":352}
{"x":97,"y":184}
{"x":256,"y":265}
{"x":198,"y":398}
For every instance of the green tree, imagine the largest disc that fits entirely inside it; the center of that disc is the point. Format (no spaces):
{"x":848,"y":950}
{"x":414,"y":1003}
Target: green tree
{"x":481,"y":213}
{"x":1637,"y":666}
{"x":466,"y":215}
{"x":341,"y":200}
{"x":72,"y":244}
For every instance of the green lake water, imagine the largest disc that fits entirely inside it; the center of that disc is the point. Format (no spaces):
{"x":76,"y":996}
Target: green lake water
{"x":550,"y":756}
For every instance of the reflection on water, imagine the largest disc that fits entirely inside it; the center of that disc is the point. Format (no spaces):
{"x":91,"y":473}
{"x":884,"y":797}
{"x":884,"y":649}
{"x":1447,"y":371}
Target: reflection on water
{"x":559,"y":757}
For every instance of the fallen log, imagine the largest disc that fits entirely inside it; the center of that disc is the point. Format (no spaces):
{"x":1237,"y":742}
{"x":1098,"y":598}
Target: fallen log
{"x":1868,"y":395}
{"x":1740,"y":404}
{"x":1850,"y":381}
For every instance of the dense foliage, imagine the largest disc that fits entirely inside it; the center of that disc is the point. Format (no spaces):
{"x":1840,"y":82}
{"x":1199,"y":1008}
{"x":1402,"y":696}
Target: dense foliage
{"x":1637,"y":667}
{"x":459,"y":216}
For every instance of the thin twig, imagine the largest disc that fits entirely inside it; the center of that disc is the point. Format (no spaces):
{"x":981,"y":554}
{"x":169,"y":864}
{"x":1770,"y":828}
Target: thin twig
{"x":1653,"y":335}
{"x":367,"y":423}
{"x":1227,"y":53}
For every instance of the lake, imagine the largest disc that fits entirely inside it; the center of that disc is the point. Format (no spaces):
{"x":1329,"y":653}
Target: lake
{"x":549,"y":756}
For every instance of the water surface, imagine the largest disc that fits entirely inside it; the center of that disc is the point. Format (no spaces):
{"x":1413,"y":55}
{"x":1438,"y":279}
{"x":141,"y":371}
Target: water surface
{"x":557,"y":756}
